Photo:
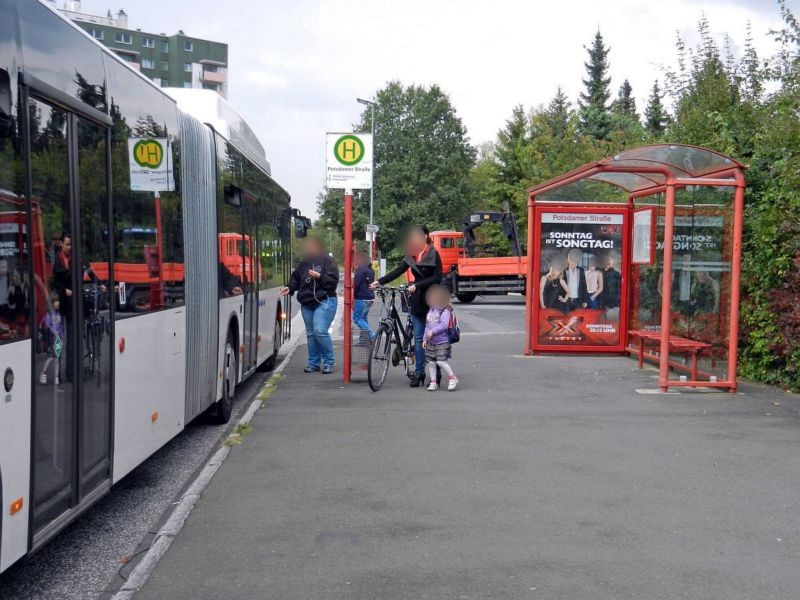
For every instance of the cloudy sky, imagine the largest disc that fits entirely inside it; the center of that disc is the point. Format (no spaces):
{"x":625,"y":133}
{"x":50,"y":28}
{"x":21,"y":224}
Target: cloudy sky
{"x":296,"y":67}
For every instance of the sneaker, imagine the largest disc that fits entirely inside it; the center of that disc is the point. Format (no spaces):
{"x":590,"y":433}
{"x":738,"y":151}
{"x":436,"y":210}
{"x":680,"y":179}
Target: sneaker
{"x":57,"y":381}
{"x":452,"y":382}
{"x":327,"y":369}
{"x":43,"y":378}
{"x":433,"y":386}
{"x":311,"y":369}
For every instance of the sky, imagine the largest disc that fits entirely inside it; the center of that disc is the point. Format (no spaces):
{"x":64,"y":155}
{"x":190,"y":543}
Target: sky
{"x":297,"y":67}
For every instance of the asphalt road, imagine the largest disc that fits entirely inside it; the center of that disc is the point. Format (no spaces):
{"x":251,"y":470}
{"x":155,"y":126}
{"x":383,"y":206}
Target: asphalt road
{"x":92,"y":556}
{"x":546,"y":477}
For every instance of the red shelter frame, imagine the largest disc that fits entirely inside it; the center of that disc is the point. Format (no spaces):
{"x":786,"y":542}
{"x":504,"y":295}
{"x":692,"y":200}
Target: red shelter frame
{"x":642,"y":172}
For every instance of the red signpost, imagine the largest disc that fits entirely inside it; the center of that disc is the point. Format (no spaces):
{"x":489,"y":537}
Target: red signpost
{"x":348,"y":284}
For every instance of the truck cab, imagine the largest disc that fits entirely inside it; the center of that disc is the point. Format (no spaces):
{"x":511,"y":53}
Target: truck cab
{"x":450,"y":245}
{"x":469,"y":269}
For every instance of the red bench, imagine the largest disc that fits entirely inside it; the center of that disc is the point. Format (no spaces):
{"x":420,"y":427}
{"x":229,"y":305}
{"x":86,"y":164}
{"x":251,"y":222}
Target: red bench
{"x":679,"y":344}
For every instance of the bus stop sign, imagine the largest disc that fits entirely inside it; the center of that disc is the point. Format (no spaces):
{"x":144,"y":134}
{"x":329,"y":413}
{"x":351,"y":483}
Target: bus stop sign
{"x":348,"y":163}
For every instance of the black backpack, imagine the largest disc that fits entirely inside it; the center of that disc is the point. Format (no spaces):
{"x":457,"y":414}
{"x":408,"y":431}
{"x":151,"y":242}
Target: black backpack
{"x":453,"y":330}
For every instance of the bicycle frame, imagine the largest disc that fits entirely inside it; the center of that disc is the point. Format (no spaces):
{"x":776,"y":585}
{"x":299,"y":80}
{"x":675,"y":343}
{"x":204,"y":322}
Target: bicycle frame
{"x":394,"y":319}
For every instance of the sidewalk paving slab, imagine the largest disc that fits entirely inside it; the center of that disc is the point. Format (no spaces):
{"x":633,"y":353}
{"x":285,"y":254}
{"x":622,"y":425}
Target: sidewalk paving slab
{"x":544,"y":477}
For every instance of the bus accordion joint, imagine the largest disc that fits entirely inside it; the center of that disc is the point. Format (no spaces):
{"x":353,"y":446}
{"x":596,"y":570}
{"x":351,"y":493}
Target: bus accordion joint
{"x":16,"y":506}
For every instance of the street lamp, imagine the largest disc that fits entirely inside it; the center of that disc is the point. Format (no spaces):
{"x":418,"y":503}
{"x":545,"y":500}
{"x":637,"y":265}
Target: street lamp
{"x":372,"y":173}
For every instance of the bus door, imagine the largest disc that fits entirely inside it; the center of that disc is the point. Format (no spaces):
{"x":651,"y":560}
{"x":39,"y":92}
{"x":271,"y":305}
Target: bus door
{"x":250,"y":284}
{"x":72,"y":354}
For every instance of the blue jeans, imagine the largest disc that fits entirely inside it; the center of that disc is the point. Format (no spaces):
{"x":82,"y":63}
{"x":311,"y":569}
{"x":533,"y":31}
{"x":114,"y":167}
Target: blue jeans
{"x":419,"y":352}
{"x":318,"y":321}
{"x":360,"y":312}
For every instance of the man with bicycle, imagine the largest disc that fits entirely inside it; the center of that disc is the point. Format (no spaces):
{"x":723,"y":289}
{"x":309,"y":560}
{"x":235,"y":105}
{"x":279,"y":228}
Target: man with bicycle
{"x":424,"y":265}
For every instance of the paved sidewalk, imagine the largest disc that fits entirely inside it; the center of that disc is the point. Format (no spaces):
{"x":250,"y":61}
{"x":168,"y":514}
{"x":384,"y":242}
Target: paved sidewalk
{"x":541,"y":478}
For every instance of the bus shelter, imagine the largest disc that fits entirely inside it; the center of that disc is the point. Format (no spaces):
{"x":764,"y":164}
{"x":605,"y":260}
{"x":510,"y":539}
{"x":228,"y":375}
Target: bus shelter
{"x":641,"y":253}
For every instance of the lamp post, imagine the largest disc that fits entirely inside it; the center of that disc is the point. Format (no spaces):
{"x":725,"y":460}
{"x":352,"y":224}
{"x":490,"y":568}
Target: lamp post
{"x":372,"y":176}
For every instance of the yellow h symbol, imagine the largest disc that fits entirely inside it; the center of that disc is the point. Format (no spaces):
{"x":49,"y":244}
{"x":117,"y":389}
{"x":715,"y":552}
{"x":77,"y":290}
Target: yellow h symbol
{"x":349,"y":150}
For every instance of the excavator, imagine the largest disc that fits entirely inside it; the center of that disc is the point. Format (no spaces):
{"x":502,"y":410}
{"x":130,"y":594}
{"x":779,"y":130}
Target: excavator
{"x":472,"y":269}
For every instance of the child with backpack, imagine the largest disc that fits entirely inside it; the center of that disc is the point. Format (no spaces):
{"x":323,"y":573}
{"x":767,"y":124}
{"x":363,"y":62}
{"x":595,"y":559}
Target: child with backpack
{"x":53,"y":330}
{"x":441,"y":332}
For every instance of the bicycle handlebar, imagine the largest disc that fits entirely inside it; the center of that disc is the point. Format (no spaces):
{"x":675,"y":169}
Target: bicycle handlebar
{"x":385,"y":290}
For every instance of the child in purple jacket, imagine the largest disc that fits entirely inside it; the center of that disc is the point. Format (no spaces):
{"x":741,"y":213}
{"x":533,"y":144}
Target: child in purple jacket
{"x":53,"y":326}
{"x":436,"y":340}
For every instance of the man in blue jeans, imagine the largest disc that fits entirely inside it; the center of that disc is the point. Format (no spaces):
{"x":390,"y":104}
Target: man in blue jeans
{"x":315,"y":281}
{"x":363,"y":294}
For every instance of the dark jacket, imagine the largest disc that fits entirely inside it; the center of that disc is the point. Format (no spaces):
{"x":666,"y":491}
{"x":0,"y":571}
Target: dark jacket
{"x":612,"y":288}
{"x":583,"y":290}
{"x":426,"y":272}
{"x":310,"y":291}
{"x":361,"y":280}
{"x":61,"y":282}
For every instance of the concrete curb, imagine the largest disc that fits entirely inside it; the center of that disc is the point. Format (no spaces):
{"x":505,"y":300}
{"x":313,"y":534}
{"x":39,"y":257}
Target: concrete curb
{"x":183,"y":508}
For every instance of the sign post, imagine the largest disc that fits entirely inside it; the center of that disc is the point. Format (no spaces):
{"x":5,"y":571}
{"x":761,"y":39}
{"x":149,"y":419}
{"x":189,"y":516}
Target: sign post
{"x":348,"y":285}
{"x":348,"y":166}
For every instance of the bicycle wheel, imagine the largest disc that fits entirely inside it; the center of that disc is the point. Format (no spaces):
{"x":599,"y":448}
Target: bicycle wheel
{"x":409,"y":352}
{"x":379,"y":356}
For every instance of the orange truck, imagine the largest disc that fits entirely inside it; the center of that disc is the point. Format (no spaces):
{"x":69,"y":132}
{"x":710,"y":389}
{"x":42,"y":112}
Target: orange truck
{"x":470,"y":269}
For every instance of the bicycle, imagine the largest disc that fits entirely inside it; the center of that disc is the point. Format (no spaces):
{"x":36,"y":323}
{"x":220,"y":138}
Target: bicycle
{"x":94,"y":330}
{"x":393,"y":341}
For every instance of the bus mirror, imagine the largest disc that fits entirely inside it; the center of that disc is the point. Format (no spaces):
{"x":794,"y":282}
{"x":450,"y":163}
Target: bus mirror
{"x":301,"y":226}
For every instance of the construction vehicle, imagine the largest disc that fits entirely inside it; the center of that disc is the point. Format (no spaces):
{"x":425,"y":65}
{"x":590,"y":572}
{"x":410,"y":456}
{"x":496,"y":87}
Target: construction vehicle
{"x":470,"y":269}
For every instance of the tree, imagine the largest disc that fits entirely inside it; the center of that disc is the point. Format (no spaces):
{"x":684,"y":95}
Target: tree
{"x":771,"y":258}
{"x":559,"y":113}
{"x":509,"y":141}
{"x":422,"y":164}
{"x":595,"y":118}
{"x":625,"y":104}
{"x":626,"y":129}
{"x":655,"y":115}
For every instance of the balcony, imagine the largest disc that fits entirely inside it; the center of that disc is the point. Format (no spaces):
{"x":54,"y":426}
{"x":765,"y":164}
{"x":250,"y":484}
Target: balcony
{"x":214,"y":76}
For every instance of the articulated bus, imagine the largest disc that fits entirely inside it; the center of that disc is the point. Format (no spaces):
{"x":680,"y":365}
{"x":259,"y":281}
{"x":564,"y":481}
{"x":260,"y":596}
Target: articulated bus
{"x":124,"y":314}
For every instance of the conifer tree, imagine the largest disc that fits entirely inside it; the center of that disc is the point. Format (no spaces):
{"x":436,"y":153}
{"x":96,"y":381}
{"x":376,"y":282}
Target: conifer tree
{"x":595,"y":118}
{"x":509,"y":141}
{"x":655,"y":116}
{"x":558,"y":113}
{"x":625,"y":104}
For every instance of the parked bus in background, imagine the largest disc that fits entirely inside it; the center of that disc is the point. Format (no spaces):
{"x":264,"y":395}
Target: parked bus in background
{"x":158,"y":303}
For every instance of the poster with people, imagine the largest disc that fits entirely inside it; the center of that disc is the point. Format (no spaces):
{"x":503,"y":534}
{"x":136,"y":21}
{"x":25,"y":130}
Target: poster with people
{"x":580,"y":285}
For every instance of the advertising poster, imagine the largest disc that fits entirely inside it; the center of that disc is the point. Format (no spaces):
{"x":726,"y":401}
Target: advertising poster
{"x":580,"y":286}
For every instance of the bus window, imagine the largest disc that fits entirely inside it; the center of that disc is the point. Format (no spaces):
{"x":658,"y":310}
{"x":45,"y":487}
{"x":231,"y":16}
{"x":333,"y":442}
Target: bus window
{"x":149,"y":269}
{"x":14,"y":278}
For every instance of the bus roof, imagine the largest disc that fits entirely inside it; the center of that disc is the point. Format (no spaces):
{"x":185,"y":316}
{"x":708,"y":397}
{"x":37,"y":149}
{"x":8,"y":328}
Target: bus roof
{"x":209,"y":107}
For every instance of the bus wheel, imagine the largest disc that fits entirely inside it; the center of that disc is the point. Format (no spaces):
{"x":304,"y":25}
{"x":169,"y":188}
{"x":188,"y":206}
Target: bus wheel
{"x":229,"y":371}
{"x":465,"y":297}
